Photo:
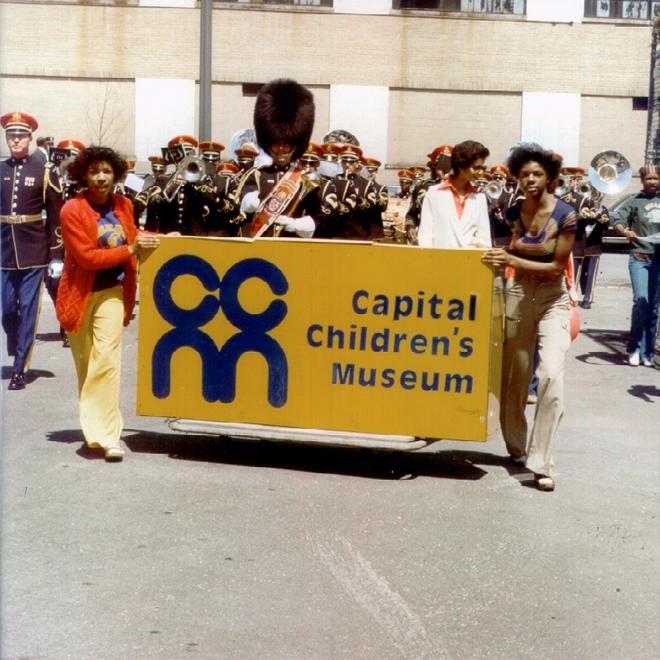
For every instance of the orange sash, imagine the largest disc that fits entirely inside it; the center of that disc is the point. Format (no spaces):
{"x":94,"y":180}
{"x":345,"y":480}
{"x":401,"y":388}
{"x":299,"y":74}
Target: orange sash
{"x":274,"y":205}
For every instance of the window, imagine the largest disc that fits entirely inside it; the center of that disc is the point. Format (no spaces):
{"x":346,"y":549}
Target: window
{"x":639,"y":9}
{"x":296,"y":3}
{"x":473,"y":6}
{"x":252,"y":89}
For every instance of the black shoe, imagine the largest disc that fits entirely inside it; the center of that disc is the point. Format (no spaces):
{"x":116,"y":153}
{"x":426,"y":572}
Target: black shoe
{"x":586,"y":305}
{"x":65,"y":342}
{"x":17,"y":382}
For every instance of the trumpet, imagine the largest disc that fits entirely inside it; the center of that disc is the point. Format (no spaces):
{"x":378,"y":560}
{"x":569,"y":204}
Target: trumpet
{"x":189,"y":170}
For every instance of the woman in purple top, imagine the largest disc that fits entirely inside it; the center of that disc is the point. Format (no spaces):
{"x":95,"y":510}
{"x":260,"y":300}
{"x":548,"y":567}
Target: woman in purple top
{"x":537,"y":310}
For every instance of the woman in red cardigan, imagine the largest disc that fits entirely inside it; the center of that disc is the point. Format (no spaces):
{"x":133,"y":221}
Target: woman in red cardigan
{"x":97,"y":290}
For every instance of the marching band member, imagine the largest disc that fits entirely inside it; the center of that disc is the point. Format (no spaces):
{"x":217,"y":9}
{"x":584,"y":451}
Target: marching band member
{"x":180,"y":214}
{"x":157,"y":166}
{"x":498,"y":206}
{"x":30,"y":202}
{"x":245,"y":156}
{"x":598,"y":219}
{"x":440,"y":166}
{"x":363,"y":222}
{"x":311,"y":161}
{"x":454,"y":213}
{"x":377,"y":194}
{"x":283,"y":122}
{"x":347,"y":193}
{"x":537,"y":310}
{"x":70,"y":187}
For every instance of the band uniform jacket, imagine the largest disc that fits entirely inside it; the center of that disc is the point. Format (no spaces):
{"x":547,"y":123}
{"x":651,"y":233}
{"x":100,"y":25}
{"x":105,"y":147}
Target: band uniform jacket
{"x":219,"y":212}
{"x":29,"y":238}
{"x":364,"y":202}
{"x":579,"y":202}
{"x":311,"y":203}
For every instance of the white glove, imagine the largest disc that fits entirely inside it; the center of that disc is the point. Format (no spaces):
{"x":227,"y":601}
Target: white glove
{"x":55,"y":268}
{"x":304,"y":226}
{"x":250,"y":202}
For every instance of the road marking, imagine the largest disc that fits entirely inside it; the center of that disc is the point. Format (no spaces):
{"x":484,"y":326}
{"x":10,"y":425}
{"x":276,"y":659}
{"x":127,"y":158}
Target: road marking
{"x":374,"y":594}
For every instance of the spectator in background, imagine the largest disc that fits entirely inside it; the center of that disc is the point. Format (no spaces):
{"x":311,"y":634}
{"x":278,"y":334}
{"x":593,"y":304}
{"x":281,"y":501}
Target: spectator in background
{"x":636,"y":219}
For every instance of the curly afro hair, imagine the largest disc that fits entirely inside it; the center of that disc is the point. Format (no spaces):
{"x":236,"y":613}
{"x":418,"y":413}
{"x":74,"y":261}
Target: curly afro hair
{"x":548,"y":160}
{"x":77,"y":168}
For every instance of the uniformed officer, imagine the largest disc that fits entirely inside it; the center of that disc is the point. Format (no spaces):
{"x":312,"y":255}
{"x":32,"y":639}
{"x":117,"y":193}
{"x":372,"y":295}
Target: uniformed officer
{"x":30,"y":203}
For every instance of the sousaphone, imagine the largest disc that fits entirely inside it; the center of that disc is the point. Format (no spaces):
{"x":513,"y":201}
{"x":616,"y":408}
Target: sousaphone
{"x":610,"y":172}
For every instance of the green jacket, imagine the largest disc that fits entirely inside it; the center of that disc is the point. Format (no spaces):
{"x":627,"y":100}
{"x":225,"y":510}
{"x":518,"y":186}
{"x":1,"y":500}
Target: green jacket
{"x":640,"y":213}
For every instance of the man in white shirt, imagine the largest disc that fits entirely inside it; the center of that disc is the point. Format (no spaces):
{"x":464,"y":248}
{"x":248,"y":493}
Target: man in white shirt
{"x":454,"y":212}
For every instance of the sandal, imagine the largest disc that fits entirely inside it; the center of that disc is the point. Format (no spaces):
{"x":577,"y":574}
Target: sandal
{"x":543,"y":482}
{"x":114,"y":454}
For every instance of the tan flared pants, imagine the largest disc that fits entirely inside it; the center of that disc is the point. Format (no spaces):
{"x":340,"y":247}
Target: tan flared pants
{"x":536,"y":310}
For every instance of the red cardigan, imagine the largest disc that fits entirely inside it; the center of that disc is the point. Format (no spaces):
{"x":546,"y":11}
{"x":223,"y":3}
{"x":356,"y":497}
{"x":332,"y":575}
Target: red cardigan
{"x":83,"y":258}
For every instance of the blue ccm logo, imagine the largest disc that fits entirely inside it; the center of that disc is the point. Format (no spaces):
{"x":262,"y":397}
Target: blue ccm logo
{"x":219,"y":366}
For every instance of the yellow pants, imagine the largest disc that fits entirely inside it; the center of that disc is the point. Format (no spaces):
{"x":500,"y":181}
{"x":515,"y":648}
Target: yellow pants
{"x":96,"y":353}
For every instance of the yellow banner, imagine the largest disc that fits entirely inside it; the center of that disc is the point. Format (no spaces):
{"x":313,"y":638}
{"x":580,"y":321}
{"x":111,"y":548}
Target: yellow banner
{"x":377,"y":338}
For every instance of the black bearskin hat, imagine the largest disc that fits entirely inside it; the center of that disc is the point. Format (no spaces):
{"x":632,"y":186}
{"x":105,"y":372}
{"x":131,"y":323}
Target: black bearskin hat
{"x":284,"y":112}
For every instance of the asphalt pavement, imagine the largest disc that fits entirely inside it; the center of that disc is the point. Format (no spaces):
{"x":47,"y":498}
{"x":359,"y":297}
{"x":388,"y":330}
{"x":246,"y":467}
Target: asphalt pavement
{"x":202,"y":547}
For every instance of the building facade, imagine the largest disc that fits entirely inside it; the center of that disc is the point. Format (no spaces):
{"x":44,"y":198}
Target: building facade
{"x":402,"y":75}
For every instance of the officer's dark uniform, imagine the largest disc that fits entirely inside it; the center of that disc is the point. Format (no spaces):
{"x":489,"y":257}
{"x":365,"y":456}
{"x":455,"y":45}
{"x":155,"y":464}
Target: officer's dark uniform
{"x":30,"y":202}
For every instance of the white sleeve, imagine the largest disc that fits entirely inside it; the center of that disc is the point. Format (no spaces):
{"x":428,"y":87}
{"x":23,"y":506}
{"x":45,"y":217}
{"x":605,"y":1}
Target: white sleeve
{"x":483,"y":237}
{"x":425,"y":234}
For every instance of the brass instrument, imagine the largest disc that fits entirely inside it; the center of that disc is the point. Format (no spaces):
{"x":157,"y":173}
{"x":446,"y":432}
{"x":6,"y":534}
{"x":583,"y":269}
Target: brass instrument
{"x":309,"y":179}
{"x":493,"y":190}
{"x":610,"y":172}
{"x":189,"y":170}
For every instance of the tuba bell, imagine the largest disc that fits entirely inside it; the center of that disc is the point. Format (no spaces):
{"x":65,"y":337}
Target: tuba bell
{"x":609,"y":172}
